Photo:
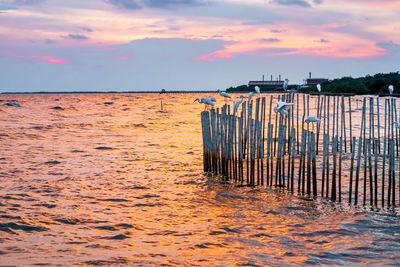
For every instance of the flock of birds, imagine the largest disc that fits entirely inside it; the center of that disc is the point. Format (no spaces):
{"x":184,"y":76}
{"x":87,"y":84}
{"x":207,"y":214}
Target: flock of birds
{"x":281,"y":107}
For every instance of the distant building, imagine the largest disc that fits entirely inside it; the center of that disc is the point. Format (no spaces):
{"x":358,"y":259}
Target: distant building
{"x":314,"y":81}
{"x":268,"y":85}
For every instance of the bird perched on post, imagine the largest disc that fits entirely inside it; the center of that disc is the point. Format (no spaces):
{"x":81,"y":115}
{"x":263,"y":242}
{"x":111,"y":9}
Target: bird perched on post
{"x":250,"y":96}
{"x":312,"y":119}
{"x":285,"y":84}
{"x":282,"y":107}
{"x":319,"y":88}
{"x":224,"y":94}
{"x":237,"y":103}
{"x":206,"y":101}
{"x":391,"y":89}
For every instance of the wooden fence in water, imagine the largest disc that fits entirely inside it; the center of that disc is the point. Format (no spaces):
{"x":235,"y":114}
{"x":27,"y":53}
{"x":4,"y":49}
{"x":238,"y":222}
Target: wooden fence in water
{"x":338,"y":158}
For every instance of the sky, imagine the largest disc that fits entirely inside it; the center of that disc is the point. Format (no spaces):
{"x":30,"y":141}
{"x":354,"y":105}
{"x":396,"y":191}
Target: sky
{"x":149,"y":45}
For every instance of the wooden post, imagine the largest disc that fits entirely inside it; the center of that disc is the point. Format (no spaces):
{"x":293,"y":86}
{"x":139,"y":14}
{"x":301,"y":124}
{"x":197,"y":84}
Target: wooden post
{"x":328,"y":112}
{"x":334,"y":116}
{"x":309,"y":163}
{"x":340,"y":169}
{"x":271,"y":158}
{"x":376,"y":174}
{"x":365,"y":172}
{"x":334,"y":151}
{"x":395,"y":128}
{"x":372,"y":124}
{"x":293,"y":151}
{"x":384,"y":155}
{"x":353,"y":142}
{"x":300,"y":183}
{"x":203,"y":126}
{"x":351,"y":127}
{"x":323,"y":165}
{"x":319,"y":124}
{"x":358,"y":170}
{"x":364,"y":119}
{"x":263,"y":138}
{"x":379,"y":125}
{"x":276,"y":128}
{"x":297,"y":124}
{"x":268,"y":153}
{"x":314,"y":167}
{"x":371,"y":188}
{"x":343,"y":124}
{"x":337,"y":119}
{"x":327,"y":165}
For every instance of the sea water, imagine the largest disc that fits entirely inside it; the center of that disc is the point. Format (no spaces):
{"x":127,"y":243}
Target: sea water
{"x":111,"y":179}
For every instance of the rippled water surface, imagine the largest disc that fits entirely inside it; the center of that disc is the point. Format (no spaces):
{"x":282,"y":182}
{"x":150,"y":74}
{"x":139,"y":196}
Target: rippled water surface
{"x":108,"y":179}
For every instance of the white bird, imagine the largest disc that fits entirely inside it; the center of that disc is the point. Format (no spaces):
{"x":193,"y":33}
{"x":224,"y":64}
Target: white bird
{"x":313,"y":119}
{"x":212,"y":99}
{"x":205,"y":100}
{"x":285,"y":84}
{"x":282,"y":107}
{"x":224,"y":94}
{"x":250,"y":96}
{"x":237,"y":103}
{"x":319,"y":87}
{"x":391,"y":89}
{"x":257,"y":89}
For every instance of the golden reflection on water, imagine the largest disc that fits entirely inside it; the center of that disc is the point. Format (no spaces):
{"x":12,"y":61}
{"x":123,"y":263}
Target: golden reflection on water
{"x":99,"y":183}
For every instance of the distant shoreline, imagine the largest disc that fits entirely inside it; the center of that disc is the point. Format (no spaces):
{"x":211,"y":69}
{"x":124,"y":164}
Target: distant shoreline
{"x":127,"y":92}
{"x":104,"y":92}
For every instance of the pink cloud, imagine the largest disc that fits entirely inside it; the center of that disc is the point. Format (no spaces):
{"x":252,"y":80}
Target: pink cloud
{"x":380,"y":3}
{"x":215,"y":55}
{"x":120,"y":58}
{"x":35,"y":58}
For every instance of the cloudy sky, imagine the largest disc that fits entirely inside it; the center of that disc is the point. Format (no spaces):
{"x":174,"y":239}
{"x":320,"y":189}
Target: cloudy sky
{"x":70,"y":45}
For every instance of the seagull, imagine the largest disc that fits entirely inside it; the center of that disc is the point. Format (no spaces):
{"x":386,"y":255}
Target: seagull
{"x":285,"y":84}
{"x":319,"y":87}
{"x":205,"y":100}
{"x":250,"y":96}
{"x":237,"y":104}
{"x":391,"y":89}
{"x":282,"y":107}
{"x":257,"y":89}
{"x":312,"y":119}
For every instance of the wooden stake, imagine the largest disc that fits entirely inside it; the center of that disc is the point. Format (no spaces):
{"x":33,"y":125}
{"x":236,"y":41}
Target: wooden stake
{"x":351,"y":168}
{"x":358,"y":170}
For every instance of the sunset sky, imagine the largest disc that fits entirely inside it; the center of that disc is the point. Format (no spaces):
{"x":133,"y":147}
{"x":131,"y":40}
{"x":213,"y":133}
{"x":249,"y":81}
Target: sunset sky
{"x":71,"y":45}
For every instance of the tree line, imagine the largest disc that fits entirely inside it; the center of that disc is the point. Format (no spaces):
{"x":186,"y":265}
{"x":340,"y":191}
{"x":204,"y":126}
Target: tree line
{"x":376,"y":84}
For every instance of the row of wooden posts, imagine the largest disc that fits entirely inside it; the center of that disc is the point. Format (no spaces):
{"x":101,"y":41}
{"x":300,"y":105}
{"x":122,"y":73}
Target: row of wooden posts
{"x":338,"y":158}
